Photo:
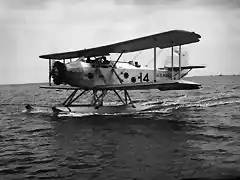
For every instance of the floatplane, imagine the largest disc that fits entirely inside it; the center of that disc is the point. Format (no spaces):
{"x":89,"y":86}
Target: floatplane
{"x":90,"y":72}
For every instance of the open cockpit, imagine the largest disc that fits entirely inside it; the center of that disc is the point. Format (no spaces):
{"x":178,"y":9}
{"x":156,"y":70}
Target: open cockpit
{"x":97,"y":62}
{"x":104,"y":62}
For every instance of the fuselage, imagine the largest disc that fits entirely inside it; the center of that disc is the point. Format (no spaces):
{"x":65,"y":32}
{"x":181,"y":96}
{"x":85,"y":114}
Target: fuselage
{"x":85,"y":74}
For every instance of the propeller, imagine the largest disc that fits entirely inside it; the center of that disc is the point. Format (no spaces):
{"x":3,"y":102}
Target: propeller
{"x":58,"y":72}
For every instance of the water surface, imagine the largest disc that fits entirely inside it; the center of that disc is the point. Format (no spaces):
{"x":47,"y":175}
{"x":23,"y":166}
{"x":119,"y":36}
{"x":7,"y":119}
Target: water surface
{"x":195,"y":134}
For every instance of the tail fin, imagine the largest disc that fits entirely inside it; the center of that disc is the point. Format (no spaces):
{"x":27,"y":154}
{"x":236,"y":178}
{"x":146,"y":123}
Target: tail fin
{"x":184,"y":59}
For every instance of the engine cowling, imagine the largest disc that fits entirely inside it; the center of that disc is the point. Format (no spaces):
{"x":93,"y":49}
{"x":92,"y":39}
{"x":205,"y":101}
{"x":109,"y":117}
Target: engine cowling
{"x":58,"y":73}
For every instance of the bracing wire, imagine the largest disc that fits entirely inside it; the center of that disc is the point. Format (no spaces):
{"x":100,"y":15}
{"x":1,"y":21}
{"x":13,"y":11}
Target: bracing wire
{"x":153,"y":57}
{"x":135,"y":57}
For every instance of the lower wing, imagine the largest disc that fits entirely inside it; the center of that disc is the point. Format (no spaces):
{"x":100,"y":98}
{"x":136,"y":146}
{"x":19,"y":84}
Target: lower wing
{"x":166,"y":86}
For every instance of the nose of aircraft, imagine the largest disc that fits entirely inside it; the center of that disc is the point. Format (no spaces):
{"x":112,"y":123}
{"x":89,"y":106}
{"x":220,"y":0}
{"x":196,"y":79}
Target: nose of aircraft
{"x":58,"y":73}
{"x":70,"y":73}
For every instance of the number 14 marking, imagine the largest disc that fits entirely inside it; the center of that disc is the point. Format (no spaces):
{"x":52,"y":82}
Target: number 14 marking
{"x":143,"y":79}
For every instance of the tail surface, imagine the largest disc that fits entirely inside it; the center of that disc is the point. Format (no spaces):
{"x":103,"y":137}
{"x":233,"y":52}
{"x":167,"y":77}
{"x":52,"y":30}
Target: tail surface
{"x":185,"y":67}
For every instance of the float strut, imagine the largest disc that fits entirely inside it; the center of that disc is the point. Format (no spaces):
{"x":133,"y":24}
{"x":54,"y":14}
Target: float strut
{"x":69,"y":97}
{"x":129,"y":99}
{"x":72,"y":100}
{"x":119,"y":96}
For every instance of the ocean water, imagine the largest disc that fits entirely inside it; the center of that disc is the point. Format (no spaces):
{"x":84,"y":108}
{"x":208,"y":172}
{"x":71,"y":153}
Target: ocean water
{"x":195,"y":134}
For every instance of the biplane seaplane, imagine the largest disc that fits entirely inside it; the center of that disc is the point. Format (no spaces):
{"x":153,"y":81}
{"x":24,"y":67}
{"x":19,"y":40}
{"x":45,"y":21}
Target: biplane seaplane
{"x":90,"y":72}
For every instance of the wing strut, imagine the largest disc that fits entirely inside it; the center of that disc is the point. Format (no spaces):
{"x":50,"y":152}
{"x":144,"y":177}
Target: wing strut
{"x":117,"y":59}
{"x":179,"y":62}
{"x":113,"y":68}
{"x":49,"y":72}
{"x":155,"y":64}
{"x":172,"y":62}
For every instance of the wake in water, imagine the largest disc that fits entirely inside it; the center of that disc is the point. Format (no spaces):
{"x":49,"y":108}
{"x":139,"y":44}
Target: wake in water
{"x":167,"y":105}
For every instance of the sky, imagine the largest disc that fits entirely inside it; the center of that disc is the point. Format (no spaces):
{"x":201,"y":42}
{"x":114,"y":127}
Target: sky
{"x":30,"y":28}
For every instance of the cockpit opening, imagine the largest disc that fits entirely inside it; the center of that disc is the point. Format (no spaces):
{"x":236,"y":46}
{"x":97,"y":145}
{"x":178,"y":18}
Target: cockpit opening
{"x":134,"y":64}
{"x":97,"y":61}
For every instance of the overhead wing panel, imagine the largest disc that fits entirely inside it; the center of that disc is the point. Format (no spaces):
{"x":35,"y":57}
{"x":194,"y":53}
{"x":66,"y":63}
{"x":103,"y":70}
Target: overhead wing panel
{"x":161,"y":40}
{"x":101,"y":51}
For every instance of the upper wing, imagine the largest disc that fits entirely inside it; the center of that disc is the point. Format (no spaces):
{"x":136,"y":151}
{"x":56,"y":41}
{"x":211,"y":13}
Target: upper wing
{"x":161,"y":40}
{"x":168,"y":85}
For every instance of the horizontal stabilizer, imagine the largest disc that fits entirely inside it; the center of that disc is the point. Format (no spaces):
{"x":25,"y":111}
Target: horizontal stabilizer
{"x":185,"y":67}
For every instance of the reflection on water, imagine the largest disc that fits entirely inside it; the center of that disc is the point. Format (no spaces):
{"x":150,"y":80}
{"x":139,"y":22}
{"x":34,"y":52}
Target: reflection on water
{"x":108,"y":148}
